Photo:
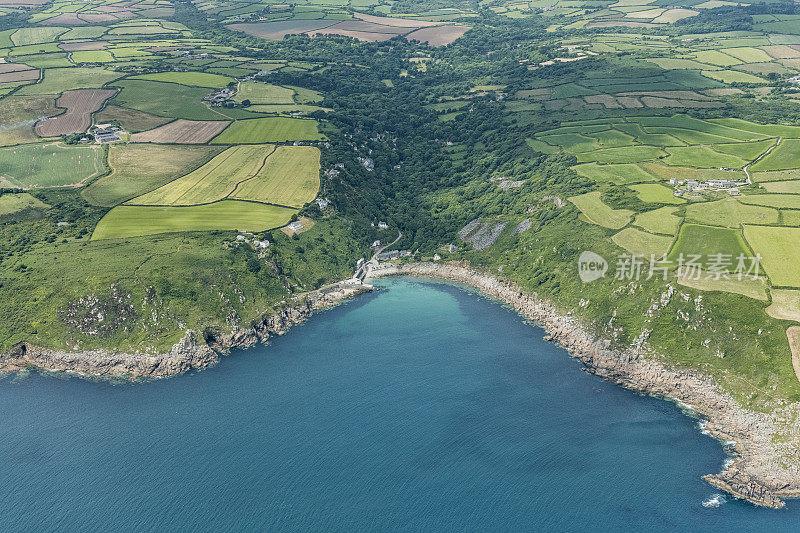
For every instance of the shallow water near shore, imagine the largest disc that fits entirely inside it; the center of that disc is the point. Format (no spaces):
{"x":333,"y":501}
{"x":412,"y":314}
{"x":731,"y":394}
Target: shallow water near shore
{"x":420,"y":407}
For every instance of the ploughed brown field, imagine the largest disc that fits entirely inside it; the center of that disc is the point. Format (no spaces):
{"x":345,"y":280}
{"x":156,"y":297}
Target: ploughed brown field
{"x":13,"y":67}
{"x":66,"y":19}
{"x":20,"y":75}
{"x":80,"y":104}
{"x":23,"y":3}
{"x":182,"y":132}
{"x":86,"y":46}
{"x":364,"y":28}
{"x":439,"y":35}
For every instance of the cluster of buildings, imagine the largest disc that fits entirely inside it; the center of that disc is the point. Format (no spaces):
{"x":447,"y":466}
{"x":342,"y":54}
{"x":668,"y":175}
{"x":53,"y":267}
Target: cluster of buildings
{"x":255,"y":242}
{"x":682,"y":187}
{"x":392,"y":255}
{"x":102,"y":134}
{"x":222,"y":97}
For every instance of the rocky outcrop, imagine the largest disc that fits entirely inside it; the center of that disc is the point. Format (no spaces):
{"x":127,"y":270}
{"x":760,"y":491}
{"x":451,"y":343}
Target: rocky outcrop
{"x":760,"y":471}
{"x":185,"y":355}
{"x":190,"y":353}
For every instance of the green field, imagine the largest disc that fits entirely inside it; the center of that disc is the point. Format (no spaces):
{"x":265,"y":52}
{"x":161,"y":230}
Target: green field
{"x":135,"y":221}
{"x":732,"y":76}
{"x":572,"y":142}
{"x":273,"y":129}
{"x":613,"y":138}
{"x":786,"y":201}
{"x":263,"y":93}
{"x":784,"y":156}
{"x":716,"y":57}
{"x":752,"y":288}
{"x":625,"y":154}
{"x":786,"y":187}
{"x":662,"y":220}
{"x":746,"y":150}
{"x":620,"y":174}
{"x":213,"y":181}
{"x":655,"y":193}
{"x":165,"y":99}
{"x":58,"y":80}
{"x":705,"y":241}
{"x":770,"y":130}
{"x":25,"y":36}
{"x":779,"y":251}
{"x":642,"y":243}
{"x":776,"y":175}
{"x":140,"y":168}
{"x":289,"y":177}
{"x":599,"y":213}
{"x":14,"y":203}
{"x":541,"y":146}
{"x":49,"y":165}
{"x":93,"y":56}
{"x":193,"y":79}
{"x":730,"y":213}
{"x":701,"y":156}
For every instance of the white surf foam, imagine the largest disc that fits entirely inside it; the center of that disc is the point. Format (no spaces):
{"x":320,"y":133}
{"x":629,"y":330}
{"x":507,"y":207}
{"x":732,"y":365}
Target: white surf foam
{"x":714,"y":501}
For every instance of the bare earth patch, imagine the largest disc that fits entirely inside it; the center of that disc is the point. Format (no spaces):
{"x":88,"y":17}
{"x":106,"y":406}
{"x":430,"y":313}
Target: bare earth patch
{"x":793,"y":333}
{"x":396,"y":22}
{"x":13,"y":67}
{"x":84,"y":46}
{"x":80,"y":104}
{"x":22,"y":75}
{"x":785,"y":304}
{"x":439,"y":36}
{"x":182,"y":132}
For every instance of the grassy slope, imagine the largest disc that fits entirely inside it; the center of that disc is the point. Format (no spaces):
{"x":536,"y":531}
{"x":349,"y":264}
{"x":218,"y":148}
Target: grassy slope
{"x":289,"y":177}
{"x":273,"y":129}
{"x":206,"y":293}
{"x":140,"y":168}
{"x":37,"y":165}
{"x":213,"y":181}
{"x":133,"y":221}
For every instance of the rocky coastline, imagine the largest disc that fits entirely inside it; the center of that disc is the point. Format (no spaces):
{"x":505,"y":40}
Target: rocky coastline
{"x":192,"y":352}
{"x":759,"y":472}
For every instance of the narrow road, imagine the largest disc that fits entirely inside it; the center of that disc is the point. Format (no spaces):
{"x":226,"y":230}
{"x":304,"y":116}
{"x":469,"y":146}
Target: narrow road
{"x":381,"y":249}
{"x":746,"y":168}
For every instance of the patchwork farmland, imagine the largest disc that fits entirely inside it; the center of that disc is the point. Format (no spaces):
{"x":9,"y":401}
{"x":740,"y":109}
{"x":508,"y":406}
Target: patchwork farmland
{"x":80,"y":104}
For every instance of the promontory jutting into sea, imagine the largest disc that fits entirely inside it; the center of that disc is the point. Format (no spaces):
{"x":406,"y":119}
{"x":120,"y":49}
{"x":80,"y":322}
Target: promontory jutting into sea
{"x":188,"y":187}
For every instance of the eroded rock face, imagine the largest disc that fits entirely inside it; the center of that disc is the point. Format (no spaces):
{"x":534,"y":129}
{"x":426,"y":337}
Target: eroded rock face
{"x":762,"y":472}
{"x":192,"y":352}
{"x":185,"y":355}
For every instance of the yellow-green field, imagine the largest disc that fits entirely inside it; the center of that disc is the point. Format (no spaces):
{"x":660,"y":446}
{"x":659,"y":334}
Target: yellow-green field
{"x":289,"y":177}
{"x":135,"y":221}
{"x":213,"y":181}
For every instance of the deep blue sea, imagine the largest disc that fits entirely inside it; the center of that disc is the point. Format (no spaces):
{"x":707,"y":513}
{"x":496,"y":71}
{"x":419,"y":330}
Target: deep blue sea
{"x":421,"y":407}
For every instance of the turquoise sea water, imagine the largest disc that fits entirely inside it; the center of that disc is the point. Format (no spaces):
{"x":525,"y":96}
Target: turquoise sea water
{"x":422,"y":407}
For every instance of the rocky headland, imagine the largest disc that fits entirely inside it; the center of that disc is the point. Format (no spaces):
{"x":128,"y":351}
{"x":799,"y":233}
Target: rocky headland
{"x":195,"y":351}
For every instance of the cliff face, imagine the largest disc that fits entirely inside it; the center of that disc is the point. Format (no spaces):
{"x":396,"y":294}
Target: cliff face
{"x":762,"y":472}
{"x":190,"y":353}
